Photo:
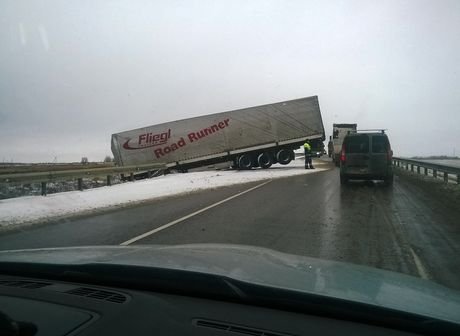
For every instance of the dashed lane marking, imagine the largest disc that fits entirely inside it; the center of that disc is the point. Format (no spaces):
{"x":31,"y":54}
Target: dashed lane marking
{"x":418,"y":263}
{"x":163,"y":227}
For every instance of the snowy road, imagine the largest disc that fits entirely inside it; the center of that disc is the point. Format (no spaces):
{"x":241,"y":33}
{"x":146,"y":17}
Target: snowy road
{"x":30,"y":209}
{"x":410,"y":228}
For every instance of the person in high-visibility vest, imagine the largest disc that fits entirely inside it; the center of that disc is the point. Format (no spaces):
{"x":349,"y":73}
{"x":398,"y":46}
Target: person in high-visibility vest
{"x":307,"y":148}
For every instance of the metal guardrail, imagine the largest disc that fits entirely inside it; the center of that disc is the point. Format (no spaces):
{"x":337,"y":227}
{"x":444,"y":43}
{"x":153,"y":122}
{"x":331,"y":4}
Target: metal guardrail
{"x":79,"y":174}
{"x":448,"y":173}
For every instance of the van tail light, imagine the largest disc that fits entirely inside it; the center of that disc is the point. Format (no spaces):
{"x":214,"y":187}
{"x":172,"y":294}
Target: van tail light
{"x":342,"y":155}
{"x":390,"y":155}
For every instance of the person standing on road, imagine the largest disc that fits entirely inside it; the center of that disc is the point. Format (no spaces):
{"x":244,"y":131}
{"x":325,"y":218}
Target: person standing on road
{"x":307,"y":148}
{"x":330,"y":146}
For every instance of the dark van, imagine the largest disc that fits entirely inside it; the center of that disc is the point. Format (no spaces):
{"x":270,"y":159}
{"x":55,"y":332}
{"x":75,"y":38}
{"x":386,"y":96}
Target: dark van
{"x":366,"y":156}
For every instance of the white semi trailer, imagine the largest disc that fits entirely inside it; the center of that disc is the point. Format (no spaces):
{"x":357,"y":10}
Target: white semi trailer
{"x":251,"y":137}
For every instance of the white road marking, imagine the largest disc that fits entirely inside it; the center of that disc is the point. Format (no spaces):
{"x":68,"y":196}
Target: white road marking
{"x":418,"y":263}
{"x":158,"y":229}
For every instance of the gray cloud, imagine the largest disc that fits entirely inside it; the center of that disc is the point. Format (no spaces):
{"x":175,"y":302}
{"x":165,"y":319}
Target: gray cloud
{"x":73,"y":73}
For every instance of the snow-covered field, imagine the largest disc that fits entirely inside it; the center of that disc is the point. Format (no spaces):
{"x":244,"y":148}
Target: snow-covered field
{"x":30,"y":209}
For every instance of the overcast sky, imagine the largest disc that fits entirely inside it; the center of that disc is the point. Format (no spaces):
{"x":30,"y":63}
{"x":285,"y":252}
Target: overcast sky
{"x":74,"y":72}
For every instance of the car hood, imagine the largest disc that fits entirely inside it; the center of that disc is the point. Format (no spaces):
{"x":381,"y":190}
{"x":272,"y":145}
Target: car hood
{"x":269,"y":268}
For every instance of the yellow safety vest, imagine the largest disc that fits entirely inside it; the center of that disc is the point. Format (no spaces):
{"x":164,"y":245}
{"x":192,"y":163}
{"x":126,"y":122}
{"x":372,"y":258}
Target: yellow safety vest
{"x":307,"y":146}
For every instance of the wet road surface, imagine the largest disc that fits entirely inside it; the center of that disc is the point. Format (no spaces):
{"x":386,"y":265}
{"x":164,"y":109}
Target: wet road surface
{"x":405,"y":228}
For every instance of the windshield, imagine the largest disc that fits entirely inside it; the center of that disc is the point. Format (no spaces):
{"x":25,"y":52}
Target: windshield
{"x":380,"y":144}
{"x":357,"y":144}
{"x":128,"y":123}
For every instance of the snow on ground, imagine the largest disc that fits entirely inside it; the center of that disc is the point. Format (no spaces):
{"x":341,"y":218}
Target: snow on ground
{"x":31,"y":209}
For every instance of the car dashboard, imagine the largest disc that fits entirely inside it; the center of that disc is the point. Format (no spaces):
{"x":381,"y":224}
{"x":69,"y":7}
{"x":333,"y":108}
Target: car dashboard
{"x":64,"y":308}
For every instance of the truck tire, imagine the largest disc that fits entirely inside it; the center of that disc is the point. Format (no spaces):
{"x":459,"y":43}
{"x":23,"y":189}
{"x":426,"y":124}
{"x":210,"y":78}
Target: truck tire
{"x":284,"y":156}
{"x":264,"y":160}
{"x":245,"y":161}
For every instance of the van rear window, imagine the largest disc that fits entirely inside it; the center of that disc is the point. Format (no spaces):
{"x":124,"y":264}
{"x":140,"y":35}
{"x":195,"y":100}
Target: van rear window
{"x":357,"y":144}
{"x":379,"y":144}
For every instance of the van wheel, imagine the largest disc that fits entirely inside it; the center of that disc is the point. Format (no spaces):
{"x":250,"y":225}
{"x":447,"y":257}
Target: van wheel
{"x":264,"y":160}
{"x":284,"y":156}
{"x":388,"y":181}
{"x":343,"y":179}
{"x":244,"y":162}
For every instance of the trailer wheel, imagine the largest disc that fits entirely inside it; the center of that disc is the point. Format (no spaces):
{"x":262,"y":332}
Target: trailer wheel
{"x":284,"y":156}
{"x":264,"y":160}
{"x":244,"y":162}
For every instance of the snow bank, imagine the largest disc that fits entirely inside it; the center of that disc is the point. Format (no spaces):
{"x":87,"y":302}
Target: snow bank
{"x":38,"y":208}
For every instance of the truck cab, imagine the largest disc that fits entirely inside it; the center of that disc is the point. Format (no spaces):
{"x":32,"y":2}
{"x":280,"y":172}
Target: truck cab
{"x":339,"y":131}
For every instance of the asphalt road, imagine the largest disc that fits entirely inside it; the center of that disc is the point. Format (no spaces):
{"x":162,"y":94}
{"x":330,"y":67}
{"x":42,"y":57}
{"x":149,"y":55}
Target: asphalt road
{"x":411,"y":227}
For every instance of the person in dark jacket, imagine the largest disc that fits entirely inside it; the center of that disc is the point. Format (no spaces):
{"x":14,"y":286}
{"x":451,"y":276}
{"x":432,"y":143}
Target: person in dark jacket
{"x":330,"y":147}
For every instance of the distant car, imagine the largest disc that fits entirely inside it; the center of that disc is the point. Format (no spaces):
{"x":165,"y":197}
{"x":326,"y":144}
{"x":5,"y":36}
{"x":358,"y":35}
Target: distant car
{"x":317,"y":154}
{"x":366,"y":156}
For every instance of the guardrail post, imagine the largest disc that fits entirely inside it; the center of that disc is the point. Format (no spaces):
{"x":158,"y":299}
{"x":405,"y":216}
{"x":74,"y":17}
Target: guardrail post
{"x":40,"y":179}
{"x":149,"y":174}
{"x":44,"y":189}
{"x":437,"y":171}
